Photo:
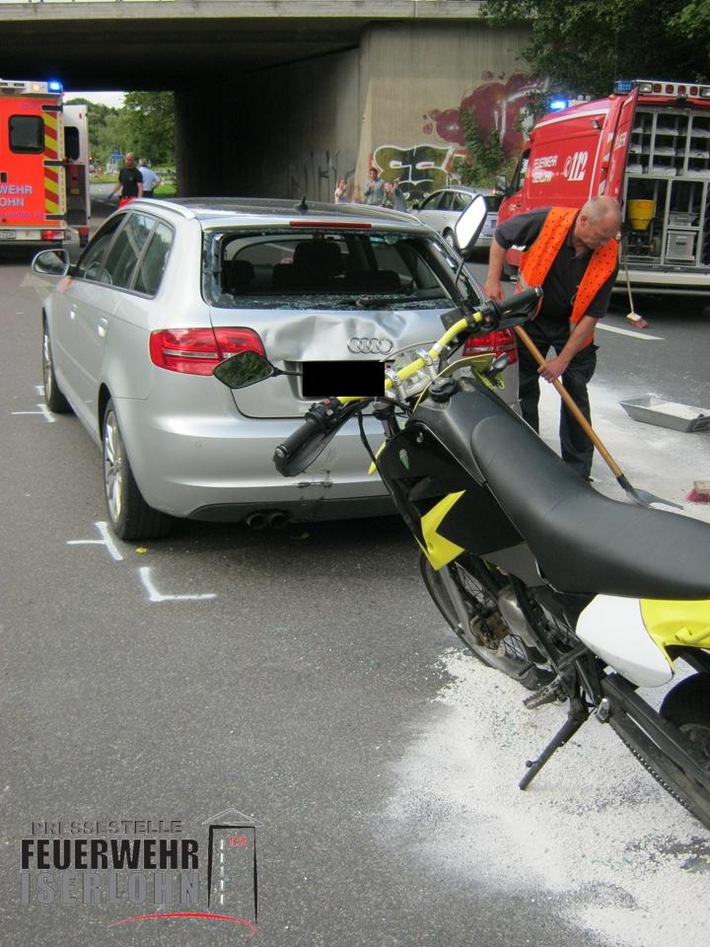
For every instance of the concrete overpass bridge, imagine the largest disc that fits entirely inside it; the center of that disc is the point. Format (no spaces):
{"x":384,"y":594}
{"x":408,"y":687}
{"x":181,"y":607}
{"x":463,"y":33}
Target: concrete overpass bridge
{"x":284,"y":97}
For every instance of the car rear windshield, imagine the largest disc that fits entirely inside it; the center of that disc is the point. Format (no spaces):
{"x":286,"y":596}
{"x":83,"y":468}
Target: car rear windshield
{"x":338,"y":269}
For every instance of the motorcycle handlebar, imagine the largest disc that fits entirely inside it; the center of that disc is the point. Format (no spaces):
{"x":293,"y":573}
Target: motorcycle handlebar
{"x":516,"y":305}
{"x":303,"y":446}
{"x":301,"y":436}
{"x":324,"y":418}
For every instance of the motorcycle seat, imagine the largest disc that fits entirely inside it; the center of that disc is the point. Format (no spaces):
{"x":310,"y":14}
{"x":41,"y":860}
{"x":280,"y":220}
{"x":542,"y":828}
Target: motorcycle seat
{"x":583,"y":541}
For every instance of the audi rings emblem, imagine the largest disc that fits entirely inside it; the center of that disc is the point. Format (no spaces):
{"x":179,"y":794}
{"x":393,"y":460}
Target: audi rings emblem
{"x":370,"y":346}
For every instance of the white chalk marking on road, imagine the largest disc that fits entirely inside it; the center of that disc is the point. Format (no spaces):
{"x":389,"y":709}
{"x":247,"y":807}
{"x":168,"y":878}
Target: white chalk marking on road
{"x":43,"y":410}
{"x":106,"y":540}
{"x":635,"y":333}
{"x":156,"y":596}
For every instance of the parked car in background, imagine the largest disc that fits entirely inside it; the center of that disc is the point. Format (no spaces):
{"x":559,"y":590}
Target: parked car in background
{"x":441,"y":209}
{"x":166,"y":289}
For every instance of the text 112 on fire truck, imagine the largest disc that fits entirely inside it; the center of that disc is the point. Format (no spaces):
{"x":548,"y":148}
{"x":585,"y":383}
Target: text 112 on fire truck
{"x":648,"y":145}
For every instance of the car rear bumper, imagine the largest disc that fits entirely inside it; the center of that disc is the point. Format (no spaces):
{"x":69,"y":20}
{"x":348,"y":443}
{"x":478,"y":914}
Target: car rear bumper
{"x":220,"y":468}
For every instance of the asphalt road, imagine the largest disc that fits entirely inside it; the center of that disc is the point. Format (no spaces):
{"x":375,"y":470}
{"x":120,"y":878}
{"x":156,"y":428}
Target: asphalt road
{"x":277,"y":681}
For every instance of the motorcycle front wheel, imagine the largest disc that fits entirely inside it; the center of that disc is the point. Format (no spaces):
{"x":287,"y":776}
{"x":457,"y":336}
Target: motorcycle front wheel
{"x":480,"y":599}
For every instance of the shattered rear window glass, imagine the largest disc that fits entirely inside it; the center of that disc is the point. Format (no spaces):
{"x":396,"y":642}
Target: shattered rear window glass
{"x":338,"y":269}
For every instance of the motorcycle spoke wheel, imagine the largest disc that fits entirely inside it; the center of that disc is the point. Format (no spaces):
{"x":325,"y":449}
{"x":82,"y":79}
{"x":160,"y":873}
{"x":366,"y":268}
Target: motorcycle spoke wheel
{"x":511,"y":656}
{"x":688,"y":707}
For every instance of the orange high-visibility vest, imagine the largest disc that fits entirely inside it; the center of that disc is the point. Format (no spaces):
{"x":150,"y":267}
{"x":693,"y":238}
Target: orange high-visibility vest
{"x":538,"y":259}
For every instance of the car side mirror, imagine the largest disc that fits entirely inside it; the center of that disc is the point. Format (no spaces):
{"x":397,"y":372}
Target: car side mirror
{"x":469,"y":224}
{"x":51,"y":263}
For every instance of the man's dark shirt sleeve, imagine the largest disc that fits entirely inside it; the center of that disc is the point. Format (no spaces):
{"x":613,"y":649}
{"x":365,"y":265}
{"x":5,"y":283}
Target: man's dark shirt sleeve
{"x":522,"y":230}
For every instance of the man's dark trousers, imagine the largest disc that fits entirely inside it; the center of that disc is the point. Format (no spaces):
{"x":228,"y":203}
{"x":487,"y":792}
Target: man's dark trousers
{"x":576,"y":448}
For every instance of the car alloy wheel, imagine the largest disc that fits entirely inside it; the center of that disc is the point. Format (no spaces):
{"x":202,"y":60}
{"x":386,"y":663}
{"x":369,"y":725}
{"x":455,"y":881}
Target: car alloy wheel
{"x":131,"y":517}
{"x":54,"y":399}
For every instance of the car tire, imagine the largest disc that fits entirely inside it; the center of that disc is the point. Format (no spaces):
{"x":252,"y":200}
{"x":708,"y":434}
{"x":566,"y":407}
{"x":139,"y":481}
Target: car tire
{"x":53,"y":397}
{"x":130,"y":516}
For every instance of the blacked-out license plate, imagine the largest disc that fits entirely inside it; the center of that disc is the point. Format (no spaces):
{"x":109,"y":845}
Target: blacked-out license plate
{"x":361,"y":379}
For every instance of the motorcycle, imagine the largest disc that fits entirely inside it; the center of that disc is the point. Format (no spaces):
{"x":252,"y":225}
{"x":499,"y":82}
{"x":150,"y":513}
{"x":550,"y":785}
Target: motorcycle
{"x":581,"y":598}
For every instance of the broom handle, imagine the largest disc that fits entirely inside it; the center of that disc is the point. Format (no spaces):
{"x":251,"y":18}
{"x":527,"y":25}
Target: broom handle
{"x":567,"y":398}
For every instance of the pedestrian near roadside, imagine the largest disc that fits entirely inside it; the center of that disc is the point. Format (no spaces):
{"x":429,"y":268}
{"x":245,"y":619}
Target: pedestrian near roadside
{"x":130,"y":181}
{"x":574,"y":256}
{"x":394,"y":194}
{"x":151,"y":180}
{"x":340,"y":195}
{"x":374,"y":190}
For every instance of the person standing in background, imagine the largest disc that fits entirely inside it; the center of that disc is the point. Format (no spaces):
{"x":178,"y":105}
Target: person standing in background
{"x":150,"y":178}
{"x":130,"y":181}
{"x":394,"y":193}
{"x":341,"y":192}
{"x":374,"y":190}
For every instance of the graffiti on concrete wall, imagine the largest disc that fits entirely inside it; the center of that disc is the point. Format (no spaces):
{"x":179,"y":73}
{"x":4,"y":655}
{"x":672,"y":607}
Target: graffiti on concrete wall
{"x":500,"y":105}
{"x":420,"y":168}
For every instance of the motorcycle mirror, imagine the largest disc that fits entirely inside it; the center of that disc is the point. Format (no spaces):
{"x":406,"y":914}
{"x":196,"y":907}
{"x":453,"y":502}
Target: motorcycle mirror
{"x":245,"y":369}
{"x":468,"y":227}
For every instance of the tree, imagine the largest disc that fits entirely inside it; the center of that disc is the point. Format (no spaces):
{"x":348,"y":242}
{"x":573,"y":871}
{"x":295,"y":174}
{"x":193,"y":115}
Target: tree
{"x":145,"y":124}
{"x":583,"y":46}
{"x":104,"y":128}
{"x":150,"y":125}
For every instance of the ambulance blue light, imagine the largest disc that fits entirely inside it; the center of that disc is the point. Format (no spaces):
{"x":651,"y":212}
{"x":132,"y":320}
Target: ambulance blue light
{"x":623,"y":86}
{"x":557,"y":105}
{"x":55,"y":86}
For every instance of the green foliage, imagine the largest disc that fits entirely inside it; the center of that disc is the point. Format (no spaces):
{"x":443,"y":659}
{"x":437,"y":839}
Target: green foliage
{"x":486,"y":156}
{"x":150,"y":125}
{"x":145,"y":125}
{"x":582,"y":46}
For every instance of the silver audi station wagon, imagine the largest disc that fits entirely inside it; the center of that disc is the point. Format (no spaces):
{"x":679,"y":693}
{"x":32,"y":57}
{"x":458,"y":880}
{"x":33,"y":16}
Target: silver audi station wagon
{"x":167,"y":289}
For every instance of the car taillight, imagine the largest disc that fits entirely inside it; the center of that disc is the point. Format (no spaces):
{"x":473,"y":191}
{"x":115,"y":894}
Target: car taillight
{"x":500,"y":342}
{"x":199,"y":351}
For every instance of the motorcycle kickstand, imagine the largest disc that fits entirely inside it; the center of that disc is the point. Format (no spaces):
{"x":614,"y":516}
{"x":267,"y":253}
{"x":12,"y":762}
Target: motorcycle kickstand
{"x":577,"y":715}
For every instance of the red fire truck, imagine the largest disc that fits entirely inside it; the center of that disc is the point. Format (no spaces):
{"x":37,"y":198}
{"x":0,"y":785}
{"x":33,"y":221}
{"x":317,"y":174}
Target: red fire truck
{"x":648,"y":145}
{"x":44,"y":165}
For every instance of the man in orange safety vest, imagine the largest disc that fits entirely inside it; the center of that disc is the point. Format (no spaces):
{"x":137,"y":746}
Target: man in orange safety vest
{"x":574,"y":255}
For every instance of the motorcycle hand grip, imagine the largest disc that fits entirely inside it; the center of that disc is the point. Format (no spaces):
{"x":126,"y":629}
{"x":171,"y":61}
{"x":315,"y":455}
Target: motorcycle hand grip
{"x":294,"y":442}
{"x":520,"y":302}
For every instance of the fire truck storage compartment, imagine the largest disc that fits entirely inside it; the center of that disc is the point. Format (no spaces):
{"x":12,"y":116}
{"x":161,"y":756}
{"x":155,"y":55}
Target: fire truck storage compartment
{"x":668,"y":169}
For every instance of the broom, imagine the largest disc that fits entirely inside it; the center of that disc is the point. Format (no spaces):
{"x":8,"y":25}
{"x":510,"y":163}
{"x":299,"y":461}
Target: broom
{"x":700,"y":492}
{"x":633,"y":317}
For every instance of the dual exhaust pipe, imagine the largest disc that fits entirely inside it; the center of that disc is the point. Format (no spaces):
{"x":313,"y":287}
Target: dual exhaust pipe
{"x":267,"y":519}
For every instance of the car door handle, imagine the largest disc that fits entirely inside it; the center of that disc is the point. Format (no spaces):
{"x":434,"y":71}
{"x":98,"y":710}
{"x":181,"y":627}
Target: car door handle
{"x":102,"y":327}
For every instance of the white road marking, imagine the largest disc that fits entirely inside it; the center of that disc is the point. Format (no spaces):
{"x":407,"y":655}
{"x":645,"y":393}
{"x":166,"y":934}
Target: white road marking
{"x":43,"y":410}
{"x":156,"y":596}
{"x":635,"y":333}
{"x":106,"y":540}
